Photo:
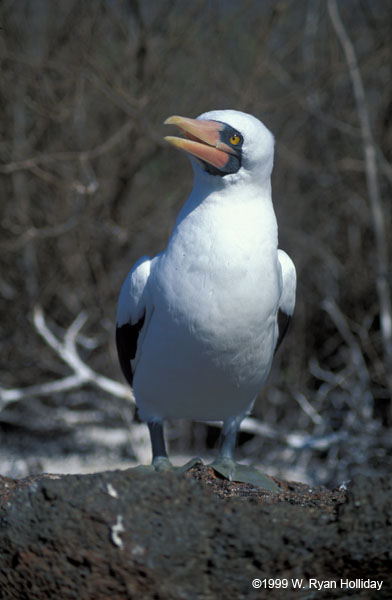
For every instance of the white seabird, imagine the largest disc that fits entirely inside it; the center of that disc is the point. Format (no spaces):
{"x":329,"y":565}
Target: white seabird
{"x":197,"y":325}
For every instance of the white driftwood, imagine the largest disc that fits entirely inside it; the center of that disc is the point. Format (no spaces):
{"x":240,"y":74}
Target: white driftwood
{"x":66,"y":349}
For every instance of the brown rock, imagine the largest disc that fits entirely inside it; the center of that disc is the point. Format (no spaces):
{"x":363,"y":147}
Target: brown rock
{"x":130,"y":535}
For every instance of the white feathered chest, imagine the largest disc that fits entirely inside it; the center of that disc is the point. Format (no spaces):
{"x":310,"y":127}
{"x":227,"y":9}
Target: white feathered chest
{"x":219,"y":276}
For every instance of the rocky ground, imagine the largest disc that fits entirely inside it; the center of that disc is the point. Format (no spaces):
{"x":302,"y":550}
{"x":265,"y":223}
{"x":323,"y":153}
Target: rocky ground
{"x":127,"y":534}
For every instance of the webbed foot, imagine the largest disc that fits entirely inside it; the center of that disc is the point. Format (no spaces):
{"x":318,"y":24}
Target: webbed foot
{"x":244,"y":474}
{"x":162,"y":463}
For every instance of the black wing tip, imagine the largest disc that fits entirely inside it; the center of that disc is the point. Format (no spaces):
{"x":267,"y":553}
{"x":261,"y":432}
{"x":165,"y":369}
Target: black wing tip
{"x":283,"y":325}
{"x":126,"y":342}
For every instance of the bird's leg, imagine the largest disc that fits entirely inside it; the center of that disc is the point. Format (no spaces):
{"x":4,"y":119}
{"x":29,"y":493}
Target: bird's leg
{"x":226,"y":466}
{"x":160,"y":459}
{"x":229,"y":437}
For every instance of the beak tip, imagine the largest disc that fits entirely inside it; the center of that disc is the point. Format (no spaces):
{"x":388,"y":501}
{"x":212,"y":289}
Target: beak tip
{"x":171,"y":120}
{"x":174,"y":141}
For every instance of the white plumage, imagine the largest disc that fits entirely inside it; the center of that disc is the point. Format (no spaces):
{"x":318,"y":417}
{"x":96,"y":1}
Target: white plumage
{"x":203,"y":314}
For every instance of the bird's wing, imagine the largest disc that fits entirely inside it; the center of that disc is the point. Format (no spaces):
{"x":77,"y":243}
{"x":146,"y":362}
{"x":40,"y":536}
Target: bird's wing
{"x":287,"y":298}
{"x":131,"y":314}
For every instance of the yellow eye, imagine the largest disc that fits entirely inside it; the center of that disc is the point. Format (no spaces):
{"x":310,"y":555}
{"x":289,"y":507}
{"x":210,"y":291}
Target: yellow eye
{"x":235,"y":139}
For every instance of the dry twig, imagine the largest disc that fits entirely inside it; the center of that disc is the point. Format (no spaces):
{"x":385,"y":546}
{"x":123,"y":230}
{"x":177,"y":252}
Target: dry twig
{"x":67,"y":351}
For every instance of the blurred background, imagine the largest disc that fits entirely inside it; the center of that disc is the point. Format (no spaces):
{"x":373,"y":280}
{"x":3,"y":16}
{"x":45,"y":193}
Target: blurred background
{"x":88,"y":186}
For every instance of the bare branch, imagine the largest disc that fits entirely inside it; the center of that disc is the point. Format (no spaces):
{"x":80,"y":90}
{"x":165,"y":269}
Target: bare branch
{"x":342,"y":326}
{"x":370,"y":156}
{"x":31,"y":163}
{"x":76,"y":186}
{"x":308,"y":408}
{"x":298,"y":95}
{"x":358,"y":166}
{"x":7,"y":396}
{"x":67,"y":351}
{"x":294,"y":439}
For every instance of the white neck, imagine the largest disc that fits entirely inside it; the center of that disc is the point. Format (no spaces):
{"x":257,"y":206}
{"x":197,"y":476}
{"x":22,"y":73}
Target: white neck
{"x":221,"y":194}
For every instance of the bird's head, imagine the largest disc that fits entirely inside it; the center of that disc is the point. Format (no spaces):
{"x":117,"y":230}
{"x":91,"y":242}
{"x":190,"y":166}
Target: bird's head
{"x":226,"y":144}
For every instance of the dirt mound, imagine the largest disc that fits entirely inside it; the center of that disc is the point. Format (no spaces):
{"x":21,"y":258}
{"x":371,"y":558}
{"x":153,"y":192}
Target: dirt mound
{"x":125,"y":534}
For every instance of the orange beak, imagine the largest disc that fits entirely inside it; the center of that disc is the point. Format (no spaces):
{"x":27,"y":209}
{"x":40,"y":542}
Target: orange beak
{"x":202,"y":140}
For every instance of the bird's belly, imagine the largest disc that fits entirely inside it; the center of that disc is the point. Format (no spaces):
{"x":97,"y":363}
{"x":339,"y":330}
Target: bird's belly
{"x":210,"y":342}
{"x":206,"y":371}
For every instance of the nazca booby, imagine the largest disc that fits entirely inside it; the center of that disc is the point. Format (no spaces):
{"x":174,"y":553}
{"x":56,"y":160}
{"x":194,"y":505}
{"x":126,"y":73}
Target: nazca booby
{"x":197,"y":325}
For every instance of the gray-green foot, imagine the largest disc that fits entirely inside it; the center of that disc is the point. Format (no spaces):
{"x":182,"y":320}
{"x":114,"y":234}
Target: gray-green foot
{"x":162,"y":463}
{"x":244,"y":474}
